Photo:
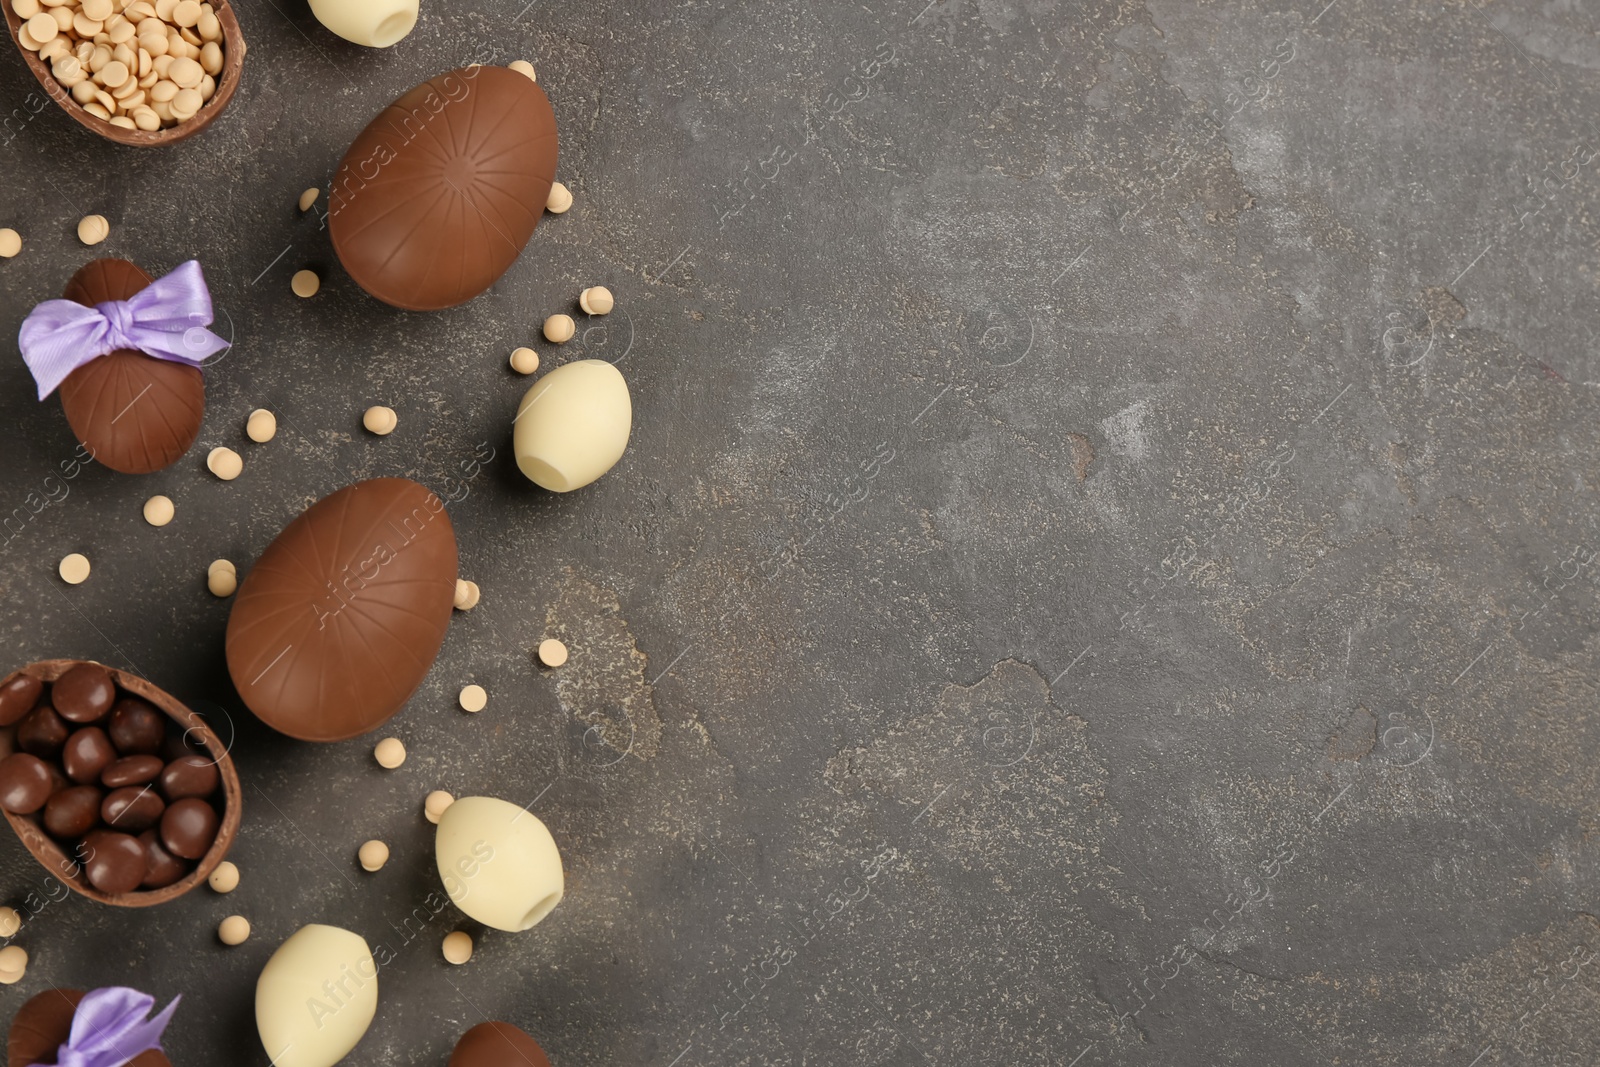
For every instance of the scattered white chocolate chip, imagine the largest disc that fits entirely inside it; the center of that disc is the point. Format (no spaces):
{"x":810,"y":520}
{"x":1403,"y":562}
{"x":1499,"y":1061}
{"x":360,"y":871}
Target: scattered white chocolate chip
{"x":559,"y":328}
{"x":457,"y":947}
{"x":523,"y":67}
{"x":222,"y":578}
{"x":262,"y":426}
{"x":559,"y":200}
{"x":380,"y":420}
{"x":10,"y":243}
{"x":309,"y":197}
{"x":473,"y":698}
{"x":225,"y":879}
{"x":524,"y":361}
{"x":467,"y":594}
{"x":158,"y":510}
{"x":596,"y":300}
{"x":390,"y":753}
{"x":92,"y":229}
{"x":225,"y":463}
{"x":434,"y":804}
{"x":13,"y":964}
{"x":222,"y":565}
{"x":552,"y":653}
{"x":234,"y":930}
{"x":74,"y":569}
{"x":305,"y":282}
{"x":10,"y":922}
{"x":373,"y":855}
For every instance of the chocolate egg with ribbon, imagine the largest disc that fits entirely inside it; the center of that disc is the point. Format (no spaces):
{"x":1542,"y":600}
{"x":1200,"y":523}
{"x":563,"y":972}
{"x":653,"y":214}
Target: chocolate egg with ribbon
{"x":101,"y":1028}
{"x":126,"y":352}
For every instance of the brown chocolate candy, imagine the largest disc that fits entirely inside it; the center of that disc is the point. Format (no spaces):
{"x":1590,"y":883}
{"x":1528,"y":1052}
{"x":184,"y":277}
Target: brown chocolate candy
{"x":87,"y":752}
{"x":190,"y":776}
{"x":137,"y":728}
{"x":135,"y":413}
{"x":42,"y":732}
{"x":161,"y":868}
{"x":44,"y":1023}
{"x":438,"y":196}
{"x":73,"y":811}
{"x":133,"y":808}
{"x":341,"y":617}
{"x":497,"y":1044}
{"x":131,"y":770}
{"x":84,"y":694}
{"x":18,"y":696}
{"x":112,"y":861}
{"x":188,"y":828}
{"x":25,"y":783}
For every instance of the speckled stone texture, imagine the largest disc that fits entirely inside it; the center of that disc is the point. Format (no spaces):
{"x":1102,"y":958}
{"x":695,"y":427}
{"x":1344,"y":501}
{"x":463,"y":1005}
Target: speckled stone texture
{"x":1104,"y":572}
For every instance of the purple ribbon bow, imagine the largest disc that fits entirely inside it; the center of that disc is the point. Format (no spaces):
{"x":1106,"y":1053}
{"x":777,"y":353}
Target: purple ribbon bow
{"x":109,"y":1028}
{"x":166,"y":319}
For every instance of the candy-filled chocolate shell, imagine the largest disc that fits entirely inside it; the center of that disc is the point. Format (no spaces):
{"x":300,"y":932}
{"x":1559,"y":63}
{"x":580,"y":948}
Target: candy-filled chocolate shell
{"x":497,"y":1044}
{"x":438,"y":196}
{"x":43,"y":1024}
{"x":178,"y":719}
{"x":135,"y":413}
{"x":341,"y":617}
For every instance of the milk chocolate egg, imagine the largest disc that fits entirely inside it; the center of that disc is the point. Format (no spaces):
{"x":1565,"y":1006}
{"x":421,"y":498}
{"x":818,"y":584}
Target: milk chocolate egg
{"x":43,"y":1024}
{"x":316,"y":997}
{"x":134,"y":413}
{"x":497,"y":1044}
{"x":339,"y":620}
{"x":438,"y":196}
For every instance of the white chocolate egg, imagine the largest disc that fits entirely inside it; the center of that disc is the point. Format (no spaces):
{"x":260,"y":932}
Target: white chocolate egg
{"x":573,"y":425}
{"x":499,"y":863}
{"x":316,"y":997}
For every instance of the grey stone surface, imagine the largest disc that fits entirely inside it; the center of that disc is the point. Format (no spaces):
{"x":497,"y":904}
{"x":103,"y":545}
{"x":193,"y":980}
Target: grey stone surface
{"x":1102,"y":575}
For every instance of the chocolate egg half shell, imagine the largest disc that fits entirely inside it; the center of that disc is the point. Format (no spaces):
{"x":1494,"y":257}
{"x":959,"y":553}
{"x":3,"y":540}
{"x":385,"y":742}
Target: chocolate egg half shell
{"x":438,"y":196}
{"x":43,"y":1024}
{"x":497,"y":1044}
{"x":134,"y":413}
{"x":339,"y":620}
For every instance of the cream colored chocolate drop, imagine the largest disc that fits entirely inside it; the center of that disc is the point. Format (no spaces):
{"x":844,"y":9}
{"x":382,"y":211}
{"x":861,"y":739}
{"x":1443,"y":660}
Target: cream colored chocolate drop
{"x":74,"y":569}
{"x":390,"y":753}
{"x":559,"y":200}
{"x":92,"y":229}
{"x":225,"y":463}
{"x":436,"y":803}
{"x":466,"y":595}
{"x":473,"y":698}
{"x":596,"y":300}
{"x":552,"y":653}
{"x":309,"y":197}
{"x":523,"y":67}
{"x":373,"y":855}
{"x":380,"y":420}
{"x":10,"y":243}
{"x":10,"y":922}
{"x":524,"y":361}
{"x":222,"y":581}
{"x":573,"y":425}
{"x":158,"y":510}
{"x":225,"y":879}
{"x":499,"y":863}
{"x":13,"y":964}
{"x":559,"y":328}
{"x":316,"y":997}
{"x":234,"y":930}
{"x":262,"y":426}
{"x":305,"y":283}
{"x":457,"y":947}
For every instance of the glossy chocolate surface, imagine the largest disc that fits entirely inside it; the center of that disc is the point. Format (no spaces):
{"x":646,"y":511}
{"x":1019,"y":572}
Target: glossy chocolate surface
{"x":84,"y":694}
{"x":188,"y":828}
{"x":42,"y":732}
{"x":136,"y":414}
{"x":497,"y":1044}
{"x":189,"y":776}
{"x":341,"y":617}
{"x":25,"y":783}
{"x":73,"y":811}
{"x":113,"y":861}
{"x":131,"y":770}
{"x":161,"y":868}
{"x":439,"y":194}
{"x":134,"y":809}
{"x":136,"y":727}
{"x":87,"y":753}
{"x":17,"y":698}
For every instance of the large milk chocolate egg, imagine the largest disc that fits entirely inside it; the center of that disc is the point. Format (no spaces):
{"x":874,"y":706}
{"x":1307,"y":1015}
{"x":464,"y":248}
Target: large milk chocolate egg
{"x":135,"y":413}
{"x":339,"y":620}
{"x":437,"y":197}
{"x":497,"y":1045}
{"x":316,"y":997}
{"x":44,"y":1023}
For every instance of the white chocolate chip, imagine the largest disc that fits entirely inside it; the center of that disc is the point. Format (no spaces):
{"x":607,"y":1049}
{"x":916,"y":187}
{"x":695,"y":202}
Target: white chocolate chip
{"x":305,"y":283}
{"x":225,"y":879}
{"x":74,"y":568}
{"x":262,"y":426}
{"x":309,"y":197}
{"x":10,"y":243}
{"x":390,"y":753}
{"x":234,"y":930}
{"x":559,"y":328}
{"x":225,"y":463}
{"x":380,"y":420}
{"x":373,"y":855}
{"x":434,"y":804}
{"x":10,"y":922}
{"x":467,"y":594}
{"x":523,"y":67}
{"x":596,"y":300}
{"x":457,"y":947}
{"x":158,"y":510}
{"x":92,"y":229}
{"x":552,"y":653}
{"x":473,"y":698}
{"x":524,"y":361}
{"x":559,"y":200}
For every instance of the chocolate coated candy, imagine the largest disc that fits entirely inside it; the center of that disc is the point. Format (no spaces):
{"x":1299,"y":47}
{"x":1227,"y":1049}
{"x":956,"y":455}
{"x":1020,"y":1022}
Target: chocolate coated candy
{"x":161,"y":868}
{"x":25,"y":783}
{"x":72,"y":812}
{"x":131,"y":770}
{"x":87,"y":752}
{"x":497,"y":1044}
{"x":42,"y":733}
{"x":136,"y":727}
{"x":114,"y":862}
{"x":189,"y":827}
{"x":189,"y":776}
{"x":133,"y":808}
{"x":17,"y":698}
{"x":84,"y":694}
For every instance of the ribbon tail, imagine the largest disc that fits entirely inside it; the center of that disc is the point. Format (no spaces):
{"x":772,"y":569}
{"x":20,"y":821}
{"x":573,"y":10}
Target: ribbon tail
{"x":57,"y":338}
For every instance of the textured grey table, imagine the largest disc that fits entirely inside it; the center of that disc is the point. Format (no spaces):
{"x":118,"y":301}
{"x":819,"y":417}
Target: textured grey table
{"x":1103,"y":573}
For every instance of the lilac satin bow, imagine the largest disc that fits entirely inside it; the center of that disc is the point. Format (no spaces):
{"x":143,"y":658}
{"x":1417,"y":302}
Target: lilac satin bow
{"x":109,"y":1028}
{"x":166,"y":319}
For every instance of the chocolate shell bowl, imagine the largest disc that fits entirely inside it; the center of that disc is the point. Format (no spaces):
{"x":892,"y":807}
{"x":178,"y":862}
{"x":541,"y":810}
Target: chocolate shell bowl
{"x":88,"y":734}
{"x":233,"y":50}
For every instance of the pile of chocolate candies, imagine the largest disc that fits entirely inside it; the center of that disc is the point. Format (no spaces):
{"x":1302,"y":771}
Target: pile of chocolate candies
{"x":120,"y":792}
